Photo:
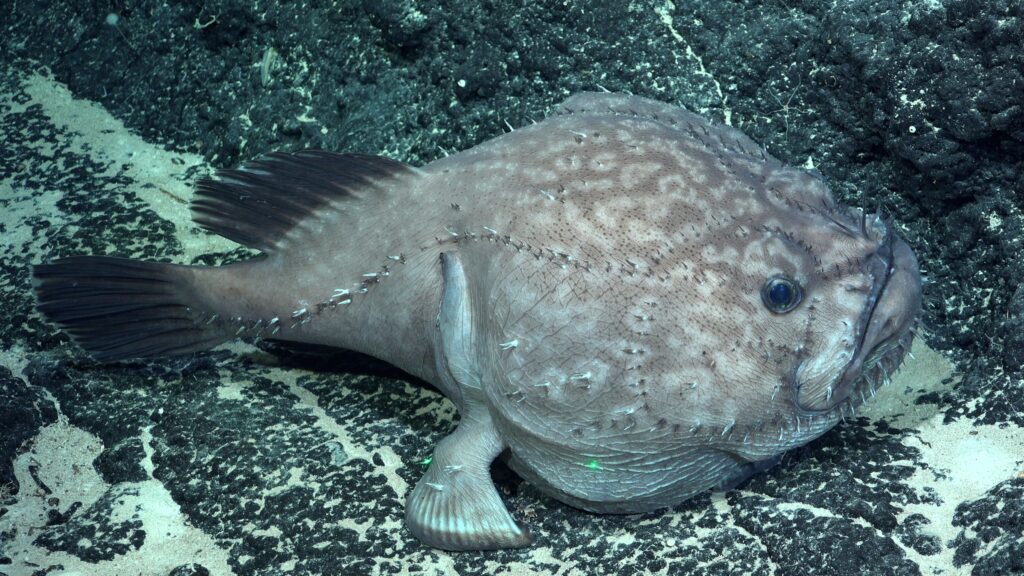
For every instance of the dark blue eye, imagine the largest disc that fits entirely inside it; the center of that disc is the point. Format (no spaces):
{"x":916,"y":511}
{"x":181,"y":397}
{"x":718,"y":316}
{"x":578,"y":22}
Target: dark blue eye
{"x":781,"y":294}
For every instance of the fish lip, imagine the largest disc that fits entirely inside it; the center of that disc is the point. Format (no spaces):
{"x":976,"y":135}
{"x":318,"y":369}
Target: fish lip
{"x":869,"y":358}
{"x":885,"y":253}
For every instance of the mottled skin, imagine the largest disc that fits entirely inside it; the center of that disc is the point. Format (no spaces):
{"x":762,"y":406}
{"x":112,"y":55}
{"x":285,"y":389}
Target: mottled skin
{"x":598,"y":310}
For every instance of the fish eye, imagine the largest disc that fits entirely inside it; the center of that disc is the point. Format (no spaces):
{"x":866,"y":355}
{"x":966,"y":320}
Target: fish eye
{"x":781,"y":294}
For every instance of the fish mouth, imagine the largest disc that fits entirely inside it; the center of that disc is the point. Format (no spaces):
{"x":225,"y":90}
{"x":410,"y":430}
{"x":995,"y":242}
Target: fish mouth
{"x":885,"y":330}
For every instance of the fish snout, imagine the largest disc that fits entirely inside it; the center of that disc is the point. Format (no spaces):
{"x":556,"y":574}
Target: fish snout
{"x":885,"y":335}
{"x":899,"y":305}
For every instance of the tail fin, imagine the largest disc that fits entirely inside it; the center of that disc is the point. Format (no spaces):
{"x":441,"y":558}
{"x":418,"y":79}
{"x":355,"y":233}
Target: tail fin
{"x":116,"y":308}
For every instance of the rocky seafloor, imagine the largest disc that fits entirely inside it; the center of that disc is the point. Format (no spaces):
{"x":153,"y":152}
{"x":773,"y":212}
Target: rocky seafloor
{"x":246,"y":461}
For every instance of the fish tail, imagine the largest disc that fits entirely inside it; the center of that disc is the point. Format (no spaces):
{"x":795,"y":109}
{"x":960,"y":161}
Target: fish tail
{"x":117,"y":308}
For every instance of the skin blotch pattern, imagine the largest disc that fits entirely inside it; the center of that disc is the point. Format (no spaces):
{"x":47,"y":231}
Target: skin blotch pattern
{"x":633,"y":304}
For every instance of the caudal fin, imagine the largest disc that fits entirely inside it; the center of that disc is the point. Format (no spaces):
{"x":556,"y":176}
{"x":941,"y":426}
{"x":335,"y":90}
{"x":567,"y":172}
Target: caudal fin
{"x":117,"y":308}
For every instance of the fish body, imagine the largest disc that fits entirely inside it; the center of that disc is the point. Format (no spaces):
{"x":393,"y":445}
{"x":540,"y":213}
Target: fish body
{"x":634,"y":303}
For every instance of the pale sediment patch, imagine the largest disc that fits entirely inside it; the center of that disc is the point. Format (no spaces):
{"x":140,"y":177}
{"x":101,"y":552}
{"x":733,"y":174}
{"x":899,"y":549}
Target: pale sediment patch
{"x":928,"y":371}
{"x":61,"y":457}
{"x":14,"y":359}
{"x":162,"y":178}
{"x":965,"y":460}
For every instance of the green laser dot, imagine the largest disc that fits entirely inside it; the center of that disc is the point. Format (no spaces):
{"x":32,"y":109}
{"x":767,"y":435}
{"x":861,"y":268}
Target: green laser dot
{"x":426,"y":461}
{"x":594,"y":465}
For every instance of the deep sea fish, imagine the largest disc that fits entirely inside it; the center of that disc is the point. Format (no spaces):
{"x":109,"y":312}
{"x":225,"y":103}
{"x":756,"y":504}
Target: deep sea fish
{"x":633,"y":303}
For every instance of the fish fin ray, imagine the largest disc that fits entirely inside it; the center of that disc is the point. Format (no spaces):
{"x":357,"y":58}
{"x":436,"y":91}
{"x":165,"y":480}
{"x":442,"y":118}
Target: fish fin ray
{"x":117,"y":308}
{"x":259,"y":203}
{"x":455,"y":506}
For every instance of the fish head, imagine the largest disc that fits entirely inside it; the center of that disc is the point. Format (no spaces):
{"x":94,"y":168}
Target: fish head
{"x":836,"y":297}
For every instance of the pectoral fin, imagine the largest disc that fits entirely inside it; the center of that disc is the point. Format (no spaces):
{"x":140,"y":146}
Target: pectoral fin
{"x":455,"y":506}
{"x":454,"y":355}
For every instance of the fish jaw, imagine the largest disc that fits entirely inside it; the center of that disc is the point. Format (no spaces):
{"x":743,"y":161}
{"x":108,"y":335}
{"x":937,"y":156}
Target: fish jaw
{"x":883,"y":336}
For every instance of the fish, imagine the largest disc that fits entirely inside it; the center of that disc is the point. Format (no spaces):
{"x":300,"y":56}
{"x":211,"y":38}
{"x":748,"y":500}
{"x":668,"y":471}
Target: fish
{"x":629,"y":303}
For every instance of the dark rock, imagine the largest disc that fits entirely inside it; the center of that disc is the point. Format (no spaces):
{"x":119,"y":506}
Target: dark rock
{"x":992,"y":534}
{"x":913,"y":533}
{"x":192,"y":569}
{"x":93,"y":535}
{"x":24,"y":410}
{"x":122,"y":462}
{"x":1013,"y":332}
